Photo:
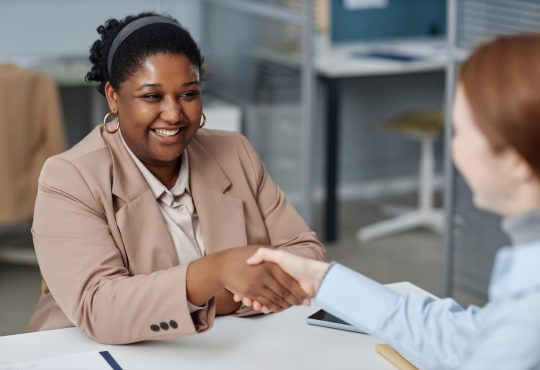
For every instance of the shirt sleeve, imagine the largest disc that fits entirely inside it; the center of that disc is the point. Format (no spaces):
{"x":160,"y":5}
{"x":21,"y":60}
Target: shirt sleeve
{"x":431,"y":333}
{"x":192,"y":308}
{"x":509,"y":339}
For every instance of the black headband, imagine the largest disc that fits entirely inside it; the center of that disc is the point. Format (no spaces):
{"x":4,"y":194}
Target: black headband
{"x":129,"y":29}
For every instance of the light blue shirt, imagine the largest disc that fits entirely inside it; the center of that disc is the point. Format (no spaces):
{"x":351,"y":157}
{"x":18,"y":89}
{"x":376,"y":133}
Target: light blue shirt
{"x":440,"y":334}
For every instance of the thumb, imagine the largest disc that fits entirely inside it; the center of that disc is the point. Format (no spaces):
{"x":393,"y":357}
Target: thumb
{"x":257,"y":258}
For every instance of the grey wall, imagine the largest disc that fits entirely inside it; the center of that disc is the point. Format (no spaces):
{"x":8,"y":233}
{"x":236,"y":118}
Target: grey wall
{"x":68,"y":27}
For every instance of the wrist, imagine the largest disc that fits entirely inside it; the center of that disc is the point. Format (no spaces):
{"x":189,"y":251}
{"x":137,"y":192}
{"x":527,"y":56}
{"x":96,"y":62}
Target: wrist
{"x":318,"y":272}
{"x":202,"y":280}
{"x":219,"y":263}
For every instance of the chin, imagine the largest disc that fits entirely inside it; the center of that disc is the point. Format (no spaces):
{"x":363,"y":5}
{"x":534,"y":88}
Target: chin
{"x":166,"y":157}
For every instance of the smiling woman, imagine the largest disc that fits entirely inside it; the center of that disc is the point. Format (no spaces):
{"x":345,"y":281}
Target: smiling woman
{"x":143,"y":228}
{"x":161,"y":102}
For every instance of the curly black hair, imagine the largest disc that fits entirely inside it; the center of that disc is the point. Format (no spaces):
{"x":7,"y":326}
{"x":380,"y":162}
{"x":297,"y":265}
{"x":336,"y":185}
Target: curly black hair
{"x":146,"y":41}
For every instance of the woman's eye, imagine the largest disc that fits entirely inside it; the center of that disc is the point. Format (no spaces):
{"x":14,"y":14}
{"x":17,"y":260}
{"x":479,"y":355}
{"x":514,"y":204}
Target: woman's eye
{"x":190,"y":94}
{"x":151,"y":97}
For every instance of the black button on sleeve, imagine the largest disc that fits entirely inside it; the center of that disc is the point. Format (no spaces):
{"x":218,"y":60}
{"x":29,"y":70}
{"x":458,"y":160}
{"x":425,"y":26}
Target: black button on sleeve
{"x":173,"y":324}
{"x":154,"y":327}
{"x":164,"y":326}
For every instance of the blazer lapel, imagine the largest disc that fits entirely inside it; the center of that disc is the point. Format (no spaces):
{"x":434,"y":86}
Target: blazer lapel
{"x":147,"y":241}
{"x":221,"y":215}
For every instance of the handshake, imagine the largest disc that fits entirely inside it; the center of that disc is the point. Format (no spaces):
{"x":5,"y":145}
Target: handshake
{"x":287,"y":280}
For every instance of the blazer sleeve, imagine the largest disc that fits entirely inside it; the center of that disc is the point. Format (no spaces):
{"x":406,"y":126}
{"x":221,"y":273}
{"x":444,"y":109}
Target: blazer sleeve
{"x":85,"y":272}
{"x":286,"y":228}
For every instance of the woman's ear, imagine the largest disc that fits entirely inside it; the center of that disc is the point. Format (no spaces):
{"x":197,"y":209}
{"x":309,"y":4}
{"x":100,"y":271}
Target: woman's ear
{"x":112,"y":97}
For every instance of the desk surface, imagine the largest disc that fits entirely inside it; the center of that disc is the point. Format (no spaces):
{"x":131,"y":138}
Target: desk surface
{"x":353,"y":60}
{"x":349,"y":60}
{"x":277,"y":341}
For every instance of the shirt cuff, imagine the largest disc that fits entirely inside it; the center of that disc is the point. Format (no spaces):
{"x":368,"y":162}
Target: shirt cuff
{"x":355,"y":298}
{"x":332,"y":264}
{"x":192,"y":308}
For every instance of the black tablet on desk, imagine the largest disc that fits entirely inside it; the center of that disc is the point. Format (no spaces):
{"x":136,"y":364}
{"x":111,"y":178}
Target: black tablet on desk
{"x":323,"y":318}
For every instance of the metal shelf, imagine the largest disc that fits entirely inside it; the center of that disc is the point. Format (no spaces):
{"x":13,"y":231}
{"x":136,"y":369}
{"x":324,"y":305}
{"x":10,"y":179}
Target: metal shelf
{"x":262,"y":10}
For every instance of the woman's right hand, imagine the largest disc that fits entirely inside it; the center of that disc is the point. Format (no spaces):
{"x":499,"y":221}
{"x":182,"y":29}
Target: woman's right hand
{"x":307,"y":272}
{"x":265,"y":282}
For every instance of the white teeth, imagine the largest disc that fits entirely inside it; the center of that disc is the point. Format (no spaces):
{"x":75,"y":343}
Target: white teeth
{"x":163,"y":132}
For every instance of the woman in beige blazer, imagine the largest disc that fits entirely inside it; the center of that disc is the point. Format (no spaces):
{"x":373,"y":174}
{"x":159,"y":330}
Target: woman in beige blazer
{"x":143,"y":228}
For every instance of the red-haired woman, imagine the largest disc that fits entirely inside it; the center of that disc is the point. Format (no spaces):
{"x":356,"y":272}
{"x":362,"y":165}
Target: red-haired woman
{"x":496,"y":146}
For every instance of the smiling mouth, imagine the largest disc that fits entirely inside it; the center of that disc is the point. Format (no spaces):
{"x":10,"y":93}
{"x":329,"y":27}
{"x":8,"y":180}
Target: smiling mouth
{"x":165,"y":132}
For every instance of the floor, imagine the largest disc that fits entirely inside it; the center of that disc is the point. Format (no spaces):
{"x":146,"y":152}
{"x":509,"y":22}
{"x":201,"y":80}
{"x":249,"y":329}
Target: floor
{"x":415,"y":256}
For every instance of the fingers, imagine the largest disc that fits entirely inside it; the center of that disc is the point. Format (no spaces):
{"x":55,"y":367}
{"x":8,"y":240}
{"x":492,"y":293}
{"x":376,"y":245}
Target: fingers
{"x":270,"y":288}
{"x":280,"y":288}
{"x":247,"y":302}
{"x":255,"y":305}
{"x":287,"y":287}
{"x":265,"y":284}
{"x":264,"y":254}
{"x":269,"y":304}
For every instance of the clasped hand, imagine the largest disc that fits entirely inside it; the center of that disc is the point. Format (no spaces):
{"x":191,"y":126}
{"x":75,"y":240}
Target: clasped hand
{"x":264,"y":285}
{"x":289,"y":280}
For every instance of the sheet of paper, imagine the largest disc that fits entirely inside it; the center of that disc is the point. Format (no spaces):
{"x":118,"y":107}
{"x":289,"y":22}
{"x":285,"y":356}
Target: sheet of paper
{"x":81,"y":361}
{"x":364,"y":4}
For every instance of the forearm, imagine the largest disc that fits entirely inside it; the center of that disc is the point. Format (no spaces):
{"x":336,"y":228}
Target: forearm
{"x":203,"y":279}
{"x":430,"y":333}
{"x":122,"y":310}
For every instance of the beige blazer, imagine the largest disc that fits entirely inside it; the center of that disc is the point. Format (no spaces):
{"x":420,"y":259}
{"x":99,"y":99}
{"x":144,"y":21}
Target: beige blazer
{"x":104,"y":249}
{"x":31,"y":130}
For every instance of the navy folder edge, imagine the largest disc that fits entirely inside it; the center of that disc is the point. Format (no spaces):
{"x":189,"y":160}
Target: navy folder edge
{"x":110,"y":360}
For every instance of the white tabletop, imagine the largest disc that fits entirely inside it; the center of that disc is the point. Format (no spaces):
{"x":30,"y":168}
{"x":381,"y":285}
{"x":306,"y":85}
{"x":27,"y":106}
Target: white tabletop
{"x":350,"y":60}
{"x":276,"y":341}
{"x":353,"y":60}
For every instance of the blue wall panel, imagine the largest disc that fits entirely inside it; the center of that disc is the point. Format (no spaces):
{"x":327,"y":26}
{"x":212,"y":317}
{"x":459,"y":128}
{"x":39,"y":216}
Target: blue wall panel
{"x":401,"y":18}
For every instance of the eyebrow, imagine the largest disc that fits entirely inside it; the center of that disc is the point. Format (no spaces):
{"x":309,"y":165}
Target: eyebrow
{"x":185,"y":84}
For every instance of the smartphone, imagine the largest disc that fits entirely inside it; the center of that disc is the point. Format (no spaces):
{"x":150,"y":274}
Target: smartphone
{"x":323,"y":318}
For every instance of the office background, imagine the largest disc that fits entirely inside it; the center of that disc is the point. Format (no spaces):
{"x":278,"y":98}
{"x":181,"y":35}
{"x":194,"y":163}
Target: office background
{"x":377,"y":167}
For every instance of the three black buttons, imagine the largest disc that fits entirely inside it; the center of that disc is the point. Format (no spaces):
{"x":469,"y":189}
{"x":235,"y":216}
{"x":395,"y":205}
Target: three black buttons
{"x":164,"y":326}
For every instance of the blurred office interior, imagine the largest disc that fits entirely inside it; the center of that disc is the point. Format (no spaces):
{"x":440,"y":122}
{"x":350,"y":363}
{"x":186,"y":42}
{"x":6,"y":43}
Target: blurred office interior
{"x":345,"y":101}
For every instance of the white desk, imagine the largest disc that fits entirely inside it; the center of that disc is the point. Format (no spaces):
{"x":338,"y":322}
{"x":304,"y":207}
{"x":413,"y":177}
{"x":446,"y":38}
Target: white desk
{"x":351,"y":59}
{"x":277,"y":341}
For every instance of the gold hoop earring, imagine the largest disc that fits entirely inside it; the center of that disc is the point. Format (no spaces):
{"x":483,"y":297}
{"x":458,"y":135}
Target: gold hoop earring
{"x":201,"y":125}
{"x":107,"y":127}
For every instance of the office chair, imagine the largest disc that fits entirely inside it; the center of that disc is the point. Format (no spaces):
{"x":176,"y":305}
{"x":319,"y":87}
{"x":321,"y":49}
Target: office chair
{"x":426,"y":127}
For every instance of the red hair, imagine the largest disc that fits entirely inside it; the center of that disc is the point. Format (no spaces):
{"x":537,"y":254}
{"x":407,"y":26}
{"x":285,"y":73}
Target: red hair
{"x":501,"y":80}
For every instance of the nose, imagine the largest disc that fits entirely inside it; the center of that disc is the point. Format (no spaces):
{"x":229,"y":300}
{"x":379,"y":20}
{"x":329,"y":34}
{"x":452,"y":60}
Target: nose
{"x":171,"y":110}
